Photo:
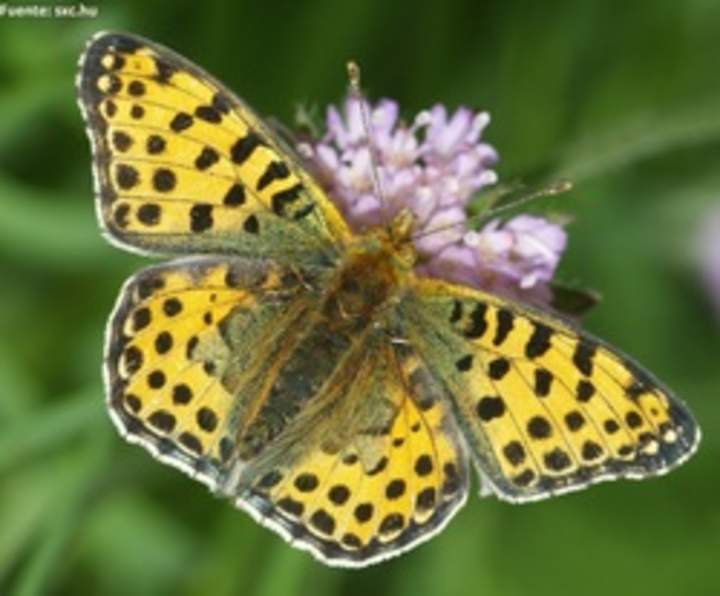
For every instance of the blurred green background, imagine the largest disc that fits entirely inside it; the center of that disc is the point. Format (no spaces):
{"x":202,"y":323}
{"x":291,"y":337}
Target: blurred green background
{"x":621,"y":97}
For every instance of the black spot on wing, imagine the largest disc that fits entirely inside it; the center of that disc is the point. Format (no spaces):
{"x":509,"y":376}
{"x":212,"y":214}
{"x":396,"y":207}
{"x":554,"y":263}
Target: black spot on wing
{"x":489,"y":408}
{"x":136,"y":88}
{"x":276,"y":170}
{"x":235,"y":196}
{"x":514,"y":452}
{"x":208,"y":114}
{"x":206,"y":158}
{"x":126,"y":176}
{"x":149,"y":214}
{"x":206,"y":419}
{"x":280,"y":200}
{"x":539,"y":341}
{"x":221,"y":103}
{"x":465,"y":363}
{"x":251,"y":225}
{"x":190,"y":442}
{"x":182,"y":394}
{"x":457,"y":311}
{"x":155,"y":144}
{"x":181,"y":121}
{"x":164,"y":71}
{"x":557,"y":460}
{"x":543,"y":382}
{"x":304,"y":211}
{"x":121,"y":215}
{"x":164,"y":180}
{"x":498,"y":368}
{"x":478,"y":324}
{"x":584,"y":390}
{"x":201,"y":218}
{"x":162,"y":420}
{"x":122,"y":141}
{"x":583,"y":356}
{"x":505,"y":321}
{"x":539,"y":428}
{"x":244,"y":147}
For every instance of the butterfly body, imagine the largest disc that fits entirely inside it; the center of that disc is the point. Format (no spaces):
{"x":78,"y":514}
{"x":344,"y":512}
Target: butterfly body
{"x":307,"y":372}
{"x":341,"y":306}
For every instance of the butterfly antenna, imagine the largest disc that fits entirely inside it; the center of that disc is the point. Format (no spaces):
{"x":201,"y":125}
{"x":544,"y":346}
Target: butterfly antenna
{"x":554,"y":188}
{"x":353,"y":70}
{"x":504,"y":204}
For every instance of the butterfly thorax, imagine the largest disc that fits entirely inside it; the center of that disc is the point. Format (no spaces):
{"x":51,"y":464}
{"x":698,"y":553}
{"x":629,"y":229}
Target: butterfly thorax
{"x":373,"y":271}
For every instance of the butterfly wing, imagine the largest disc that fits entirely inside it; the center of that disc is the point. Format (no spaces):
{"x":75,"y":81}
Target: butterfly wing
{"x":545,"y":408}
{"x":376,"y":469}
{"x":182,"y":165}
{"x":183,"y":345}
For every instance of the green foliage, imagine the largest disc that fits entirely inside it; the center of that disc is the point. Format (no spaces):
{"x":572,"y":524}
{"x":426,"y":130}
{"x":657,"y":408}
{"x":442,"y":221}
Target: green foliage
{"x":621,"y":97}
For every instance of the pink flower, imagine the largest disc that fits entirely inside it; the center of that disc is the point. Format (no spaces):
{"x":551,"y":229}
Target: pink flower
{"x":515,"y":258}
{"x":434,"y":167}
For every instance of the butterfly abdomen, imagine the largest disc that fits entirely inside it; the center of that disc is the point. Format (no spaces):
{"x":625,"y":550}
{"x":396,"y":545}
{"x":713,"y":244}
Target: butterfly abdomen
{"x":307,"y":368}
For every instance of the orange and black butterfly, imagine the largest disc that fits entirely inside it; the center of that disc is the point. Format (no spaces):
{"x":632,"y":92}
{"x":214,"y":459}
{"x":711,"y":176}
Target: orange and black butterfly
{"x":306,"y":372}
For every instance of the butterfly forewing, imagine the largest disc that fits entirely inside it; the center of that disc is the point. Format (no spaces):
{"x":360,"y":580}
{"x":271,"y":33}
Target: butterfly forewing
{"x":182,"y":165}
{"x":545,"y":407}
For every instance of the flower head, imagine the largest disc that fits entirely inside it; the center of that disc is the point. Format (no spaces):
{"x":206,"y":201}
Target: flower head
{"x":516,"y":258}
{"x":433,"y":167}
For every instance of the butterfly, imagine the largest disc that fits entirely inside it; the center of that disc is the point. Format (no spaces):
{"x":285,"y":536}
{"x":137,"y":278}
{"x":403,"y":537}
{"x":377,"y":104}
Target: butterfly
{"x":306,"y":372}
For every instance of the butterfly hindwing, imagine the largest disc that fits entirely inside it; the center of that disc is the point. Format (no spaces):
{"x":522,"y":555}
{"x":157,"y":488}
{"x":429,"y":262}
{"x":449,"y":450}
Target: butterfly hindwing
{"x":377,"y":474}
{"x":544,"y":407}
{"x":182,"y":165}
{"x":185,"y":347}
